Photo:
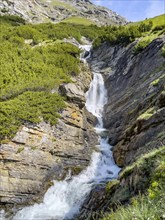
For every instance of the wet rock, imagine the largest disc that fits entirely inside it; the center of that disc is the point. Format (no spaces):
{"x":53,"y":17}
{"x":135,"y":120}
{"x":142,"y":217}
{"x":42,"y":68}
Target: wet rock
{"x":132,"y":91}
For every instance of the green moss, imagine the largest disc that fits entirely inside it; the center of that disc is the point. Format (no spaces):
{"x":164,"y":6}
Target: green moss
{"x":111,"y":184}
{"x":146,"y":115}
{"x":53,"y":139}
{"x":155,"y":82}
{"x":5,"y":141}
{"x":161,"y":135}
{"x":20,"y":149}
{"x":34,"y":148}
{"x":76,"y":170}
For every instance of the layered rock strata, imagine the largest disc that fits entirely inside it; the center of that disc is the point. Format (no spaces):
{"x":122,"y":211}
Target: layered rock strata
{"x":41,"y":153}
{"x":134,"y":117}
{"x":135,"y":112}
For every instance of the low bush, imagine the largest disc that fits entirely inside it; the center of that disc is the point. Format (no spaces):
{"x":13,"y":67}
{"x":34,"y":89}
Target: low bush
{"x":140,"y":46}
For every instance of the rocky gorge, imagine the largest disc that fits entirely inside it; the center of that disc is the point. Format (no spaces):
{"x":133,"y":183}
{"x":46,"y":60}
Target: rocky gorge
{"x":37,"y":155}
{"x":134,"y":117}
{"x":134,"y":114}
{"x":108,"y":143}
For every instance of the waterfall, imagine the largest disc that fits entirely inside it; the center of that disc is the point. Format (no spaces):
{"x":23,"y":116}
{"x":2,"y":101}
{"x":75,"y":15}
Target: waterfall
{"x":64,"y":199}
{"x":96,"y":98}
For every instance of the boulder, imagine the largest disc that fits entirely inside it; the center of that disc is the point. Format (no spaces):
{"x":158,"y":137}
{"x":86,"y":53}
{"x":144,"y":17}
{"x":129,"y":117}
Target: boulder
{"x":73,"y":93}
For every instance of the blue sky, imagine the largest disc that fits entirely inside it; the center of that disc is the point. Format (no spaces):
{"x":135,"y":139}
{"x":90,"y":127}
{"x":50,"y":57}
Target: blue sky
{"x":134,"y":10}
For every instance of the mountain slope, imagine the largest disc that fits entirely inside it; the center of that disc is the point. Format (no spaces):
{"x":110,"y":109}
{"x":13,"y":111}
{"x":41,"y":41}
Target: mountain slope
{"x":38,"y":11}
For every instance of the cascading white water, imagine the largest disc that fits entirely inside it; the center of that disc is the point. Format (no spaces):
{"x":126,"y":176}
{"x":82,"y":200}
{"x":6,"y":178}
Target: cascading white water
{"x":85,"y":49}
{"x":64,"y":199}
{"x":96,"y":98}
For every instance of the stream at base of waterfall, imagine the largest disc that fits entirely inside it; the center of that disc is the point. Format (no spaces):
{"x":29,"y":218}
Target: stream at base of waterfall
{"x":63,"y":200}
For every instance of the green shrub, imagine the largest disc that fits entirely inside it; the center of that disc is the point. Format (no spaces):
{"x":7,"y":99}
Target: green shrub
{"x":140,"y":46}
{"x":29,"y":107}
{"x":118,"y":35}
{"x":12,"y":20}
{"x":159,"y":27}
{"x":28,"y":74}
{"x":144,"y":27}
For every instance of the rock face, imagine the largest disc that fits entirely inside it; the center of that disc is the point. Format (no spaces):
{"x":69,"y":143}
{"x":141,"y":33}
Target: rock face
{"x":40,"y":153}
{"x":134,"y":117}
{"x":134,"y":114}
{"x":38,"y":11}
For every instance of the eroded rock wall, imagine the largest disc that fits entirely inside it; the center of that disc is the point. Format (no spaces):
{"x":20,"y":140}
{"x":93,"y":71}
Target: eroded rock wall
{"x":135,"y":112}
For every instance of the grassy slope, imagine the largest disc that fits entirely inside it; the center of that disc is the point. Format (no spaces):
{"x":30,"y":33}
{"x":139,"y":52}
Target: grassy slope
{"x":34,"y":60}
{"x":78,"y":20}
{"x":142,"y":31}
{"x":158,"y":20}
{"x":148,"y":37}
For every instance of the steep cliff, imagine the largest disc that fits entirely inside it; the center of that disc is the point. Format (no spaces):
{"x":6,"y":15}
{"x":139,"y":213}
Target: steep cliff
{"x":135,"y":121}
{"x":39,"y":11}
{"x":134,"y":114}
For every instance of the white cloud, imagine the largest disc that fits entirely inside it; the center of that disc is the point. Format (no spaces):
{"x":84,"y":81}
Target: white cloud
{"x":155,"y":8}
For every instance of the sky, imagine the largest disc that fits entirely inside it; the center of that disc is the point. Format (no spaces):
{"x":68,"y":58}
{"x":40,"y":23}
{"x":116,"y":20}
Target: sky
{"x":134,"y":10}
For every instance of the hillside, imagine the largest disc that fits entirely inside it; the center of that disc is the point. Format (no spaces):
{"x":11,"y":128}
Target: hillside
{"x":48,"y":134}
{"x":157,"y":21}
{"x":39,"y":11}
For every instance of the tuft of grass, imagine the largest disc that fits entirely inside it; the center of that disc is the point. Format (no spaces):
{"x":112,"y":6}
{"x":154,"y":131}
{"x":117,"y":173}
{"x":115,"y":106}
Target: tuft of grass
{"x":111,"y":184}
{"x":20,"y":149}
{"x":142,"y":208}
{"x":163,"y":51}
{"x":155,"y":82}
{"x":149,"y":157}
